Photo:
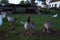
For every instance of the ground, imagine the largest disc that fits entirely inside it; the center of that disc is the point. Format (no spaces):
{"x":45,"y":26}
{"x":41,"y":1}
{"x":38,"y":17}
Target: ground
{"x":16,"y":32}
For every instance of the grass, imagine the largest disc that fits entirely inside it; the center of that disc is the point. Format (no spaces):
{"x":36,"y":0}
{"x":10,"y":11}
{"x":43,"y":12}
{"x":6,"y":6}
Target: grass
{"x":16,"y":32}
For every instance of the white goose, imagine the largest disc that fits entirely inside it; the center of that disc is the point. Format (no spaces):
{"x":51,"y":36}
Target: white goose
{"x":4,"y":14}
{"x":1,"y":21}
{"x":56,"y":15}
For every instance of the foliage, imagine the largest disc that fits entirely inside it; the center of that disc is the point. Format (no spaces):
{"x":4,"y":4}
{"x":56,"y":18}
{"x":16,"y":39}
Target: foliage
{"x":43,"y":0}
{"x":4,"y":1}
{"x":22,"y":2}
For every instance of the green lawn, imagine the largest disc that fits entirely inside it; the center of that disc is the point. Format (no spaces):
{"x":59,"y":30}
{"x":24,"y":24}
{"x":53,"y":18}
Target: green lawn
{"x":16,"y":32}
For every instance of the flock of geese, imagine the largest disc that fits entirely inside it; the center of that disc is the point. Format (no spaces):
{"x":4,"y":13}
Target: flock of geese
{"x":28,"y":25}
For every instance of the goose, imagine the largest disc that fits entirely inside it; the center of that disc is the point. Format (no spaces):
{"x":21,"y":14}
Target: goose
{"x":56,"y":15}
{"x":1,"y":21}
{"x":29,"y":25}
{"x":4,"y":14}
{"x":47,"y":25}
{"x":11,"y":20}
